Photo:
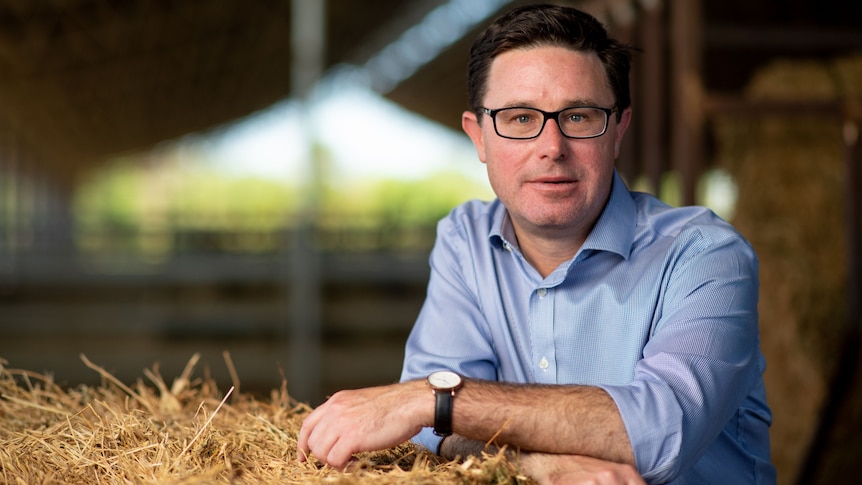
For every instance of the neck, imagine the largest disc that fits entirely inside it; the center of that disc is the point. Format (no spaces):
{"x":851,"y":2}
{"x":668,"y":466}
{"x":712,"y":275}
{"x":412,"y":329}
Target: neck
{"x":546,"y":252}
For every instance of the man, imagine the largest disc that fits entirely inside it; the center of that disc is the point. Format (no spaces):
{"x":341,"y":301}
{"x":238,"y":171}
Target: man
{"x":600,"y":332}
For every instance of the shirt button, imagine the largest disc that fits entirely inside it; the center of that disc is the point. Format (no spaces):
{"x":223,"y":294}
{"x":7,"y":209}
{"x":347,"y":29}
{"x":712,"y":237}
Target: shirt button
{"x":543,"y":292}
{"x":543,"y":363}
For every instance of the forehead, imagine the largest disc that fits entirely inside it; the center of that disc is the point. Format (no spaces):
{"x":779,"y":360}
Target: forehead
{"x":549,"y":77}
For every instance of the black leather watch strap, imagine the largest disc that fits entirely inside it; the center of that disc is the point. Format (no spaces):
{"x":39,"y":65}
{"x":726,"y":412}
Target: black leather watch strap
{"x":443,"y":413}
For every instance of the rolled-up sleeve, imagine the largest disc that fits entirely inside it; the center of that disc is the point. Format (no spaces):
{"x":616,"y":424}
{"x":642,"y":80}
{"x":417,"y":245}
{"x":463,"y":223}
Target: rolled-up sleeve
{"x":702,"y":358}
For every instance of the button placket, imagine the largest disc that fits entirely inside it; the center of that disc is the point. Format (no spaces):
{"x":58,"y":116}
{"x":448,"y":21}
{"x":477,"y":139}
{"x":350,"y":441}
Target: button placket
{"x":542,"y":309}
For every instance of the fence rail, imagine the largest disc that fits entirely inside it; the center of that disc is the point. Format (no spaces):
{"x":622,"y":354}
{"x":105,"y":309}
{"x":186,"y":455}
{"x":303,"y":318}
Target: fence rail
{"x":128,"y":310}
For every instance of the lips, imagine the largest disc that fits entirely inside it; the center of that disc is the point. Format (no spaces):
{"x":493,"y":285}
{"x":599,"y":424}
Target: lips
{"x":553,"y":180}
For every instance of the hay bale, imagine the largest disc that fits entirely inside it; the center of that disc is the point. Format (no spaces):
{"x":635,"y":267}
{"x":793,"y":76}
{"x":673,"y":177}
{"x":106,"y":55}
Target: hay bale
{"x":189,"y":433}
{"x":789,"y":171}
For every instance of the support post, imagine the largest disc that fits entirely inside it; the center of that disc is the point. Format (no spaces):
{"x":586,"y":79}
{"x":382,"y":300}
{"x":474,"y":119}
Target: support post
{"x":686,"y":29}
{"x":653,"y":102}
{"x":304,"y":349}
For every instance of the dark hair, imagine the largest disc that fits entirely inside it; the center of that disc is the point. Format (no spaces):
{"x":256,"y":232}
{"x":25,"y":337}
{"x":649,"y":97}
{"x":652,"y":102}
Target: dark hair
{"x":538,"y":25}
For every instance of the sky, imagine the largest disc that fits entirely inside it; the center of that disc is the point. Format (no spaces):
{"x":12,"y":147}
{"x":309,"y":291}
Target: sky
{"x":365,"y":135}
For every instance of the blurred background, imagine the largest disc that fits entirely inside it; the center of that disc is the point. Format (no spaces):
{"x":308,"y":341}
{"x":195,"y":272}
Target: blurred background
{"x":259,"y":182}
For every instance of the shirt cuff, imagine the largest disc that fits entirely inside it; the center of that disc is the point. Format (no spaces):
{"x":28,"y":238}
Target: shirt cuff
{"x":428,"y":440}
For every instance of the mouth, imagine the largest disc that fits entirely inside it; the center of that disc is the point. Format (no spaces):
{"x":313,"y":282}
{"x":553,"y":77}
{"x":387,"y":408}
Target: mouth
{"x":554,"y":181}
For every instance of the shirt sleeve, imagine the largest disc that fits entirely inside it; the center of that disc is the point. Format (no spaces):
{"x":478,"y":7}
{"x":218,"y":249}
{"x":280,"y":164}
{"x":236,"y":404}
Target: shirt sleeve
{"x":450,"y":332}
{"x":702,"y":359}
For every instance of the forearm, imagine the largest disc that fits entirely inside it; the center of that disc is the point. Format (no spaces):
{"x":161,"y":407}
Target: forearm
{"x":546,"y":468}
{"x":571,"y":420}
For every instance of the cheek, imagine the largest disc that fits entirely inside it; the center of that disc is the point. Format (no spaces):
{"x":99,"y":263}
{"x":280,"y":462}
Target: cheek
{"x":496,"y":177}
{"x":602,"y":156}
{"x":503,"y":163}
{"x":502,"y":173}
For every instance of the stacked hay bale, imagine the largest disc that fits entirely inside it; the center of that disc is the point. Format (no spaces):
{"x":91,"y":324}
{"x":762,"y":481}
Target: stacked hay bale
{"x":188,"y":434}
{"x":790,"y":173}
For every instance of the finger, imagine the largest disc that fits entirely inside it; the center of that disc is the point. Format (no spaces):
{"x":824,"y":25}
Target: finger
{"x":305,"y":432}
{"x":340,"y":454}
{"x":302,"y":441}
{"x":321,"y":440}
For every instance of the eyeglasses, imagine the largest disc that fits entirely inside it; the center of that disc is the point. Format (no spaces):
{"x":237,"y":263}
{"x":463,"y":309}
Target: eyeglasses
{"x":519,"y":123}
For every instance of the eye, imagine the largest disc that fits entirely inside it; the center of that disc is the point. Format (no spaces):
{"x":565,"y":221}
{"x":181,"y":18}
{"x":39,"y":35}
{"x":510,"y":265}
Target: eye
{"x":576,"y":117}
{"x":522,"y":119}
{"x":518,"y":116}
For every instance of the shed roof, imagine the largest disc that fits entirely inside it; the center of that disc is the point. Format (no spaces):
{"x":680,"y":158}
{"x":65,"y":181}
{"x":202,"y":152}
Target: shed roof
{"x":84,"y":79}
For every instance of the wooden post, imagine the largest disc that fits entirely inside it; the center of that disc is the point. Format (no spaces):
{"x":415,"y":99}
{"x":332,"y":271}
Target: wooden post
{"x":652,"y":102}
{"x":7,"y":202}
{"x":687,"y":94}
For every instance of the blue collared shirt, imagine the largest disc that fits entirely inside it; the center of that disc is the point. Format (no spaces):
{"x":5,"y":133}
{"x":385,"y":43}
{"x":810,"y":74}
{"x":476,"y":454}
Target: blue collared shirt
{"x":658,"y":307}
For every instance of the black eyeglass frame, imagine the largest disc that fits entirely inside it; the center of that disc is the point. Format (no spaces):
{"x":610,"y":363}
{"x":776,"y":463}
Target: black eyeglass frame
{"x":555,"y":115}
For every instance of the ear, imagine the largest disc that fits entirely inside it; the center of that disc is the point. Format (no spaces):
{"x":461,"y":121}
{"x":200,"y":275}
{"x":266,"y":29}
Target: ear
{"x":470,"y":125}
{"x":622,"y":126}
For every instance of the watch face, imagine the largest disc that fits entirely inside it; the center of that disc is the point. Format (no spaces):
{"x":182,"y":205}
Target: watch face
{"x":444,"y":380}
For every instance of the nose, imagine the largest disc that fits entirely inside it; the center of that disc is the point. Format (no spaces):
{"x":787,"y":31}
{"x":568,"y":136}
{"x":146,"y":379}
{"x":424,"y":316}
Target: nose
{"x":552,"y":143}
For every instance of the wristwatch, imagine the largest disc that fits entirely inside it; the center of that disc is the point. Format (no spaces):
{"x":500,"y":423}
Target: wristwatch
{"x":443,"y":383}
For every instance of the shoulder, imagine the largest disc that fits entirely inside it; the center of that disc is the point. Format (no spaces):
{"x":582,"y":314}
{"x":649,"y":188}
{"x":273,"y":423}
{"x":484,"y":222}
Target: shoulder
{"x":471,"y":219}
{"x":668,"y":221}
{"x":465,"y":237}
{"x":687,"y":230}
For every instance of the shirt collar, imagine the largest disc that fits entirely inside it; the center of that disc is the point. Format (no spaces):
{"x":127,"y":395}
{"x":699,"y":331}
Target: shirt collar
{"x":614,"y":231}
{"x":502,"y":231}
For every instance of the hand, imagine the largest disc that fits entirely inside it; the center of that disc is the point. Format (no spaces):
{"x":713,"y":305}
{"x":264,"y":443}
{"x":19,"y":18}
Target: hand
{"x":368,"y":419}
{"x":550,"y":469}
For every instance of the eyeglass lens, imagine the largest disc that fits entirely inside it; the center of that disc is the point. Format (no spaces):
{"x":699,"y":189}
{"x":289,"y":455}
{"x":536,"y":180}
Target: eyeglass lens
{"x":528,"y":122}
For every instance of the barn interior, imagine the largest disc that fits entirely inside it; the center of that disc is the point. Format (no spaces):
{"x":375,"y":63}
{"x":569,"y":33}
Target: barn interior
{"x":717,"y":85}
